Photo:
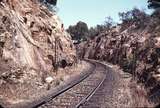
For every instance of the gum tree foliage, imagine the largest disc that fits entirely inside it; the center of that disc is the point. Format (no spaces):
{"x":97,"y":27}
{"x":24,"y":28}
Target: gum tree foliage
{"x":50,"y":4}
{"x":154,"y":4}
{"x":79,"y":31}
{"x":94,"y":31}
{"x":108,"y":23}
{"x":134,"y":16}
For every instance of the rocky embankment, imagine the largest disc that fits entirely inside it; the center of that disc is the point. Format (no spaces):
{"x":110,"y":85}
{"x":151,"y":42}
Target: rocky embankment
{"x":135,"y":48}
{"x":30,"y":35}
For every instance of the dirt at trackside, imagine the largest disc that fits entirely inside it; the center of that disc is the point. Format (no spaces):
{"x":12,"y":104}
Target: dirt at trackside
{"x":21,"y":92}
{"x":127,"y":93}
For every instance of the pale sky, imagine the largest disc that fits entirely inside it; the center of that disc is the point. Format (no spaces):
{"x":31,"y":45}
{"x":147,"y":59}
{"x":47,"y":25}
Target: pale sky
{"x":94,"y":12}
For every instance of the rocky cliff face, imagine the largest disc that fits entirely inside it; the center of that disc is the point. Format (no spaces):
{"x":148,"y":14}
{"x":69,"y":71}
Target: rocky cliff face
{"x":31,"y":37}
{"x":28,"y":31}
{"x":136,"y":49}
{"x":32,"y":43}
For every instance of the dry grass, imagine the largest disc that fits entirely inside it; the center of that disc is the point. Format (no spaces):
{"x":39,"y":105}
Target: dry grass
{"x":66,"y":73}
{"x":32,"y":85}
{"x":139,"y":95}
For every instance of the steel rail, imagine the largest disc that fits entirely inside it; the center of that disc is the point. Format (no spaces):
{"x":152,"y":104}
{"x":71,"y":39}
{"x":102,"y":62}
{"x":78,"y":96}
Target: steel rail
{"x":65,"y":89}
{"x":85,"y":99}
{"x":95,"y":89}
{"x":39,"y":102}
{"x":90,"y":95}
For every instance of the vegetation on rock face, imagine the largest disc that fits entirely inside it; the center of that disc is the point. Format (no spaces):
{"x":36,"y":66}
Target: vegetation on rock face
{"x":80,"y":32}
{"x":135,"y":16}
{"x":52,"y":2}
{"x":134,"y":45}
{"x":154,"y":4}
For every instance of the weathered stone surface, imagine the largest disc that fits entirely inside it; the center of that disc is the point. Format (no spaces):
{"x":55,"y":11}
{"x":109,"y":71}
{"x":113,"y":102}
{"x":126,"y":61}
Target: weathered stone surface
{"x":27,"y":35}
{"x":135,"y":50}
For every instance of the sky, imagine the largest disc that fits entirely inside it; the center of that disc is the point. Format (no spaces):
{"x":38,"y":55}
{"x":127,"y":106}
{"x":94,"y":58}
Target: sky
{"x":94,"y":12}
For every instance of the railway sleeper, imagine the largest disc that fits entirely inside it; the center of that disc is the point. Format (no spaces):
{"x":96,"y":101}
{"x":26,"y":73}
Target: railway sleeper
{"x":90,"y":105}
{"x":82,"y":94}
{"x":92,"y":85}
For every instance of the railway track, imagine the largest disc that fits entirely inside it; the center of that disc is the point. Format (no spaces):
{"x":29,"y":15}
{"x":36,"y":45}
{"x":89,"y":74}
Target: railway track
{"x":82,"y":92}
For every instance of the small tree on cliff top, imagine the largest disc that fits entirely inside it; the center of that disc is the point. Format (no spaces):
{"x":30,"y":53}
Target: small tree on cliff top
{"x":79,"y":31}
{"x":155,"y":4}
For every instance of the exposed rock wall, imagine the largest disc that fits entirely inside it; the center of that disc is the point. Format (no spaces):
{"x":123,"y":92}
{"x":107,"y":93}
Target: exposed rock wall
{"x":28,"y":31}
{"x":135,"y":50}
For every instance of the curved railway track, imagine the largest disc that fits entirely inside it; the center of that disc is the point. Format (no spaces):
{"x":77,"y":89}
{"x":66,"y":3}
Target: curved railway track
{"x":85,"y":92}
{"x":82,"y":92}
